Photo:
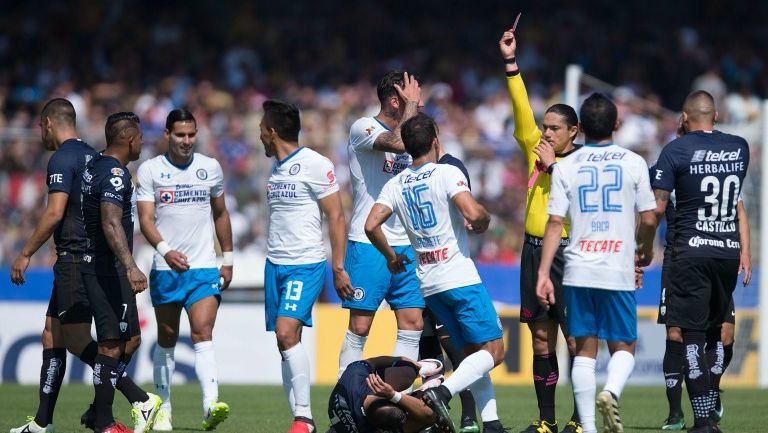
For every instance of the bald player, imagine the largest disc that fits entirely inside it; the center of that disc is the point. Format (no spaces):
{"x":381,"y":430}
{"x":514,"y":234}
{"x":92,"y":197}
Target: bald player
{"x":706,"y":170}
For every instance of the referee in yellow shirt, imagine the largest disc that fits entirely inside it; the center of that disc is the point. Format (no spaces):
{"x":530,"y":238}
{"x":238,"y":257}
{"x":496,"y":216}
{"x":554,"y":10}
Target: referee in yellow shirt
{"x":542,"y":149}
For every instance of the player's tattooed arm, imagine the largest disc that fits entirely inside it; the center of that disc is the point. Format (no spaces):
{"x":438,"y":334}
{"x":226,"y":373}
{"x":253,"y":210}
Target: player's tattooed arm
{"x":410,"y":95}
{"x":111,"y":224}
{"x":662,"y":200}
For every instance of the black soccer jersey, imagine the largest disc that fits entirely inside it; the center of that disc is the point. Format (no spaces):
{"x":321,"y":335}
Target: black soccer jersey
{"x":706,"y":171}
{"x":106,"y":180}
{"x":669,"y":215}
{"x":65,"y":172}
{"x":345,"y":407}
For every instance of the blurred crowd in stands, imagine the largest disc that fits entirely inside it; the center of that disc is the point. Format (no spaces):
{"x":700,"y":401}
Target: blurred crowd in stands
{"x":222,"y":59}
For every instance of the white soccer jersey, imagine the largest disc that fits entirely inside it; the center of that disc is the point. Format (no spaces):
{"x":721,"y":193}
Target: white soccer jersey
{"x":182,"y":197}
{"x":601,"y":188}
{"x":294,"y":188}
{"x":370,"y":170}
{"x":421,"y":198}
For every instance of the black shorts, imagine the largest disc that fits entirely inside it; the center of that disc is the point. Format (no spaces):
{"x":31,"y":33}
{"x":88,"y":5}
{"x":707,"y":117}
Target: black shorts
{"x":700,"y":293}
{"x":432,"y":325}
{"x":530,"y":310}
{"x":666,"y":271}
{"x":69,"y":300}
{"x":114,"y":306}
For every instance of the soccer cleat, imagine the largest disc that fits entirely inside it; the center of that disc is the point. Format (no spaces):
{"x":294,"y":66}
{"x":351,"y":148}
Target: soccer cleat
{"x":609,"y":408}
{"x":469,"y":425}
{"x":163,"y":420}
{"x":541,"y":426}
{"x":439,"y":404}
{"x":116,"y":428}
{"x":573,"y":427}
{"x":718,"y":411}
{"x":434,"y":381}
{"x":217,"y":412}
{"x":32,"y":427}
{"x":674,"y":422}
{"x":88,"y":419}
{"x":705,"y":429}
{"x":143,"y":413}
{"x":429,"y":367}
{"x":494,"y":427}
{"x":302,"y":425}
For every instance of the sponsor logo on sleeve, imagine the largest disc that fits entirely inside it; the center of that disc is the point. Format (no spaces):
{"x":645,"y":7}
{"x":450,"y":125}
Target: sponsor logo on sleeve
{"x":117,"y":171}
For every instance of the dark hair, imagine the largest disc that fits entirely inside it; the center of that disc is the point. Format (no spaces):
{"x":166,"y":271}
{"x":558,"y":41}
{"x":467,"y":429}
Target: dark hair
{"x":118,"y":122}
{"x":283,"y":118}
{"x":598,"y":117}
{"x":60,"y":111}
{"x":418,"y":132}
{"x":566,"y":111}
{"x":179,"y":115}
{"x":700,"y":106}
{"x":386,"y":87}
{"x":385,"y":415}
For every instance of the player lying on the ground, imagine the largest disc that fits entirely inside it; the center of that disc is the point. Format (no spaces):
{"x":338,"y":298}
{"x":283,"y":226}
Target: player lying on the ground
{"x":366,"y":398}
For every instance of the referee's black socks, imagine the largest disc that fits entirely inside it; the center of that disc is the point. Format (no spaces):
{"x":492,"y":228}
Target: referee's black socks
{"x":545,"y":376}
{"x":51,"y":375}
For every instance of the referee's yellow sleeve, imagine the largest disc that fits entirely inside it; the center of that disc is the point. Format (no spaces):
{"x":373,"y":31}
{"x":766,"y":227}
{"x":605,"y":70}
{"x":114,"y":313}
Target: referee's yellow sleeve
{"x":526,"y":131}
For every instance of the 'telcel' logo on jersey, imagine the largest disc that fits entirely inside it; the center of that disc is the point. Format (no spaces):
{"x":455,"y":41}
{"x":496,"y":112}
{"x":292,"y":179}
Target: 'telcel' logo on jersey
{"x":709,"y":156}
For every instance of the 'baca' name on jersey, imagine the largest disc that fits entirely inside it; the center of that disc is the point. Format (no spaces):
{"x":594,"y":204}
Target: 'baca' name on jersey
{"x":281,"y":190}
{"x":709,"y":162}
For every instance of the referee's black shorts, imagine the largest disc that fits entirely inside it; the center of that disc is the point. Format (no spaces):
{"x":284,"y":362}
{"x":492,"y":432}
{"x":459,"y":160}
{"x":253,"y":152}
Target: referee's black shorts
{"x":530,"y":310}
{"x":69,"y":300}
{"x":666,"y":271}
{"x":114,"y":306}
{"x":700,"y":292}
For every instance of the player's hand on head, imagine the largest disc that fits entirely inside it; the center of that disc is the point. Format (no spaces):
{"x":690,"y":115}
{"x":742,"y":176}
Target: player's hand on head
{"x":379,"y":387}
{"x":137,"y":279}
{"x":225,"y":273}
{"x":508,"y":44}
{"x":343,"y":285}
{"x":20,"y":264}
{"x":411,"y":91}
{"x":177,"y":261}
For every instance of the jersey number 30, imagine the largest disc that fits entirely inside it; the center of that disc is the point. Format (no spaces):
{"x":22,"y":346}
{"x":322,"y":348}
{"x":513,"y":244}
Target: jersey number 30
{"x":614,"y":174}
{"x":420,"y":211}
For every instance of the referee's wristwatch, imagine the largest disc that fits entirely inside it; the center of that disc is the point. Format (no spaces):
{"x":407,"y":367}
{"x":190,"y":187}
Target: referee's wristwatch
{"x":551,"y":167}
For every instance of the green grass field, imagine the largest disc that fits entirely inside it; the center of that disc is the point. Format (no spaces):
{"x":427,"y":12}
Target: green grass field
{"x":262,"y":409}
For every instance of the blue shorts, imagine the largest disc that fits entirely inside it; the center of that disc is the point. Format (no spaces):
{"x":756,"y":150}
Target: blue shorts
{"x":468,"y":314}
{"x":291,"y":291}
{"x":373,"y":282}
{"x":610,"y":315}
{"x":186,"y":288}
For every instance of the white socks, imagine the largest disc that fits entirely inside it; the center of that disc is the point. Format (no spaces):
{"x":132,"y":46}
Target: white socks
{"x":485,"y":398}
{"x":351,"y":350}
{"x":584,"y":389}
{"x":619,"y":369}
{"x":471,"y":369}
{"x":207,"y":373}
{"x":164,"y":365}
{"x":288,"y":386}
{"x":407,"y":344}
{"x":297,"y":372}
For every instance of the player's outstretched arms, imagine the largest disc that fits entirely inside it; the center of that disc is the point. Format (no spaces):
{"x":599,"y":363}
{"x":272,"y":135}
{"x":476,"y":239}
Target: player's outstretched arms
{"x":111,"y":224}
{"x":474,"y":213}
{"x":54,"y":212}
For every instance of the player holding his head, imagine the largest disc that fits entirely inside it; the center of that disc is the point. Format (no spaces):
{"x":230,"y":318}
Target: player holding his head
{"x":110,"y":275}
{"x":601,"y":187}
{"x":433,"y":201}
{"x":302,"y":184}
{"x":368,"y":398}
{"x":376,"y":154}
{"x":178,"y":194}
{"x":705,"y":168}
{"x":542,"y":149}
{"x":68,"y":319}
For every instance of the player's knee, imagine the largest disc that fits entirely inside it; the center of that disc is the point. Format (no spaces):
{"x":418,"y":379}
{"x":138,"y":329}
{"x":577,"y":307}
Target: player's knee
{"x":167,"y":335}
{"x":410,"y":322}
{"x":359,"y":327}
{"x":496,"y":349}
{"x":132,"y":345}
{"x":286,"y":338}
{"x":674,"y":334}
{"x":205,"y":333}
